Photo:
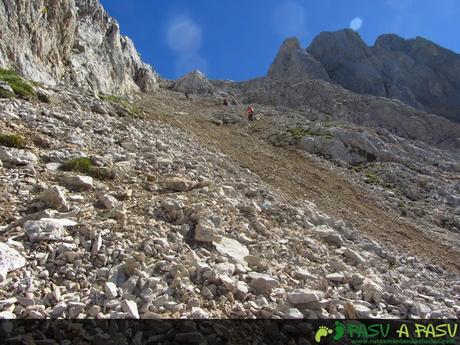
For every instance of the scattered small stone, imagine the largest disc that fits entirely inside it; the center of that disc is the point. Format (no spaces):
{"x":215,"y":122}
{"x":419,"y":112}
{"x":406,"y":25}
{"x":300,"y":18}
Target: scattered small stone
{"x":78,"y":182}
{"x":262,"y":283}
{"x":10,"y":260}
{"x":130,"y":307}
{"x":178,"y":184}
{"x":355,"y":257}
{"x":302,"y":296}
{"x":54,"y":197}
{"x":15,"y":156}
{"x":44,"y":230}
{"x":111,"y":290}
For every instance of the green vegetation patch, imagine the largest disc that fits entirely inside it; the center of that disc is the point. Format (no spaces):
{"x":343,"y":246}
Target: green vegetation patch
{"x":12,"y":140}
{"x":371,"y":178}
{"x":299,"y":133}
{"x":86,"y":166}
{"x":132,"y":109}
{"x":110,"y":98}
{"x":21,"y":87}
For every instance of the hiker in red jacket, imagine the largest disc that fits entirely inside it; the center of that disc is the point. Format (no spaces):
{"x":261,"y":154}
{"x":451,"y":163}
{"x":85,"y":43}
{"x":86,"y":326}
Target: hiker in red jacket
{"x":250,"y":113}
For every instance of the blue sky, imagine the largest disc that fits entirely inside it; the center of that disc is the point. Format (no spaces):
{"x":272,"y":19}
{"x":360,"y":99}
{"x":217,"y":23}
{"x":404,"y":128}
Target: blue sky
{"x":238,"y":39}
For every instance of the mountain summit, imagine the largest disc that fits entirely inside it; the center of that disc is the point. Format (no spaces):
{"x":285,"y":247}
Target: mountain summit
{"x":293,"y":62}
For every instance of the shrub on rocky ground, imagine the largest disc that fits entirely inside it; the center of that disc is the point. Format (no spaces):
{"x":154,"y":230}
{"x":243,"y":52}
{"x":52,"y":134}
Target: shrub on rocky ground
{"x":12,"y":140}
{"x":21,"y":87}
{"x":132,"y":110}
{"x":86,"y":166}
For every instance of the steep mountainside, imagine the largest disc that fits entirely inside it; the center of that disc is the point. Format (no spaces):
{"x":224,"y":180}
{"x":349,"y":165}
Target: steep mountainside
{"x":414,"y":71}
{"x":335,"y":102}
{"x":184,"y":214}
{"x":70,"y":41}
{"x":160,"y":205}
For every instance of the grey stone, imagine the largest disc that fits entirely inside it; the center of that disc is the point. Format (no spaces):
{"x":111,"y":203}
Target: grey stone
{"x":54,"y":197}
{"x":47,"y":229}
{"x":178,"y":184}
{"x":111,"y":290}
{"x":15,"y":156}
{"x":130,"y":307}
{"x":262,"y":283}
{"x":355,"y":257}
{"x":293,"y":313}
{"x":10,"y":260}
{"x":109,"y":201}
{"x":232,"y":249}
{"x":302,"y":296}
{"x":78,"y":182}
{"x":206,"y":231}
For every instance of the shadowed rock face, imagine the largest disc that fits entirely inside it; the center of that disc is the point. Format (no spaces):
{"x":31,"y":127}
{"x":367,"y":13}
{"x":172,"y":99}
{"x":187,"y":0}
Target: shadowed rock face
{"x":73,"y":42}
{"x":415,"y":71}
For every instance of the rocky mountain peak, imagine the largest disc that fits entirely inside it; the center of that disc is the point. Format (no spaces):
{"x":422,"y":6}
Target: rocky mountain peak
{"x":390,"y":42}
{"x":327,"y":47}
{"x":295,"y":63}
{"x":194,"y":82}
{"x":416,"y":71}
{"x":72,"y":42}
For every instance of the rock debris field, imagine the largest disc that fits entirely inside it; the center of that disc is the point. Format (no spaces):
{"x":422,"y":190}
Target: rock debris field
{"x":146,"y":222}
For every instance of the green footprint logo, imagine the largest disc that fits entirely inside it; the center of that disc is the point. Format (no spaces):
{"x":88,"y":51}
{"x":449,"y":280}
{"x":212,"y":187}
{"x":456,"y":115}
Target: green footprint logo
{"x":339,"y":330}
{"x":323,"y":331}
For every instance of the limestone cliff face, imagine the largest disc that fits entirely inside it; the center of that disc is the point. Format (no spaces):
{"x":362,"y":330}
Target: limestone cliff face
{"x":71,"y":41}
{"x":414,"y":71}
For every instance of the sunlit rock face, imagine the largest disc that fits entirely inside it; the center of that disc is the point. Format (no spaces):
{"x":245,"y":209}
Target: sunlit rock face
{"x":71,"y":41}
{"x":194,"y":82}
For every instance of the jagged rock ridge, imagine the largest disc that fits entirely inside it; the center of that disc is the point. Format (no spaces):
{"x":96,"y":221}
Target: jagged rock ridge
{"x":70,"y":41}
{"x":294,"y":63}
{"x":415,"y":71}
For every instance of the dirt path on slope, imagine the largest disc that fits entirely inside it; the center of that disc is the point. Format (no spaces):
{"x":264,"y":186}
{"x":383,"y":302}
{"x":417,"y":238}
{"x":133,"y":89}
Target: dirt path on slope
{"x":299,"y":177}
